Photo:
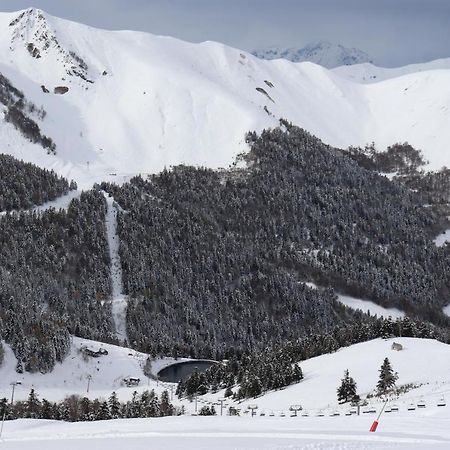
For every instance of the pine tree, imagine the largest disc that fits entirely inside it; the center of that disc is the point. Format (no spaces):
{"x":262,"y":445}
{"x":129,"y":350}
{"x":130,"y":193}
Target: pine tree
{"x":387,"y":378}
{"x":347,"y":390}
{"x":33,"y":406}
{"x":46,"y":410}
{"x":153,"y":407}
{"x":165,"y":406}
{"x":114,"y":406}
{"x":85,"y":410}
{"x":103,"y":412}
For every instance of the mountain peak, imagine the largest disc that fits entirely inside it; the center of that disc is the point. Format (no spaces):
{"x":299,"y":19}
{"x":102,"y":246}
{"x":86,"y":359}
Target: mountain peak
{"x":322,"y":52}
{"x":34,"y":33}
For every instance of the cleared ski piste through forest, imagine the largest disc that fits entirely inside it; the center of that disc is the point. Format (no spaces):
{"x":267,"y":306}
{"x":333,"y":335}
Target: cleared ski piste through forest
{"x":118,"y":299}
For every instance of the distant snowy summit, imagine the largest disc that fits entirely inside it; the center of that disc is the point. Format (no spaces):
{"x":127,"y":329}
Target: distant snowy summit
{"x":323,"y":53}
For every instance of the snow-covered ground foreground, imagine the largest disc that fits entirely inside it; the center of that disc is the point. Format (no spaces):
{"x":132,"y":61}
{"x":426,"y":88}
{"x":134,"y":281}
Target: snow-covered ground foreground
{"x":415,"y":430}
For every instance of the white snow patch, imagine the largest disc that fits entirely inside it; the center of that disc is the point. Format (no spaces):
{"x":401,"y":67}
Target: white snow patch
{"x":446,"y":310}
{"x":442,"y":238}
{"x":62,"y":202}
{"x":371,"y":307}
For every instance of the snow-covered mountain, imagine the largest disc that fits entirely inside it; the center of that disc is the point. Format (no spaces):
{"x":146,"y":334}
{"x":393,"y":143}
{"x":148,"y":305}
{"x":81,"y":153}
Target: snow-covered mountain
{"x":131,"y":102}
{"x":324,"y":53}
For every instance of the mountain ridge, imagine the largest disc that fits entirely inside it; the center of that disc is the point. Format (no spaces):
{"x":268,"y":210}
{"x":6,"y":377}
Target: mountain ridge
{"x":324,"y":53}
{"x":147,"y":102}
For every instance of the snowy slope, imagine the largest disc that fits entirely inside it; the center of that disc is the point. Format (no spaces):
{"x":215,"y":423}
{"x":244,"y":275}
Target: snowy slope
{"x":422,"y":361}
{"x":138,"y":103}
{"x":369,"y":73}
{"x":324,"y":53}
{"x":70,"y":376}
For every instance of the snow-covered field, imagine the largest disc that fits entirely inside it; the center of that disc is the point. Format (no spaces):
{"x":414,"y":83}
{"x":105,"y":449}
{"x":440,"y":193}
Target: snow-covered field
{"x":424,"y":429}
{"x":157,"y":101}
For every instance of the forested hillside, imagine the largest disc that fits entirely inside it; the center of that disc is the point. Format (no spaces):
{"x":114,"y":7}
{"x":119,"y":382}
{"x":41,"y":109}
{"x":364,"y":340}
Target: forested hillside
{"x":215,"y":260}
{"x":23,"y":185}
{"x":214,"y":263}
{"x":54,"y":277}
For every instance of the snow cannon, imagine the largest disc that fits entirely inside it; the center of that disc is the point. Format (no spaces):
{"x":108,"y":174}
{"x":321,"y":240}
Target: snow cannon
{"x":374,"y":426}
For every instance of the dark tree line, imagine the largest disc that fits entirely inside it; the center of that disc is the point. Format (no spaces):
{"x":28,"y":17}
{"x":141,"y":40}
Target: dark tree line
{"x":431,"y":188}
{"x":75,"y":408}
{"x":23,"y":185}
{"x":20,"y":112}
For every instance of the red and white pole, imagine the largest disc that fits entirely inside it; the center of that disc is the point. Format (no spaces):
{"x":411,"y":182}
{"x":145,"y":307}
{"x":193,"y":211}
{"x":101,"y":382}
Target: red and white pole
{"x":374,"y":426}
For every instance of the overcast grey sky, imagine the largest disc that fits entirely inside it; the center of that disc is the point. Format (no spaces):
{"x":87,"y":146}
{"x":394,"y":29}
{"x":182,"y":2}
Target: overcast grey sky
{"x":393,"y":32}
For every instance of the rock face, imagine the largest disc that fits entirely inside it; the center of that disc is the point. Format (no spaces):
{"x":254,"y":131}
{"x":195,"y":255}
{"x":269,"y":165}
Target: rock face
{"x":61,"y":90}
{"x":323,"y":53}
{"x":32,"y":30}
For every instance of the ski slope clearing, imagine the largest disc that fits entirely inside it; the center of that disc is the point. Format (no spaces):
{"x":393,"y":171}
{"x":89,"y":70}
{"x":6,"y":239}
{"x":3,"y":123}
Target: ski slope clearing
{"x":415,"y":431}
{"x":62,"y":202}
{"x":137,"y":103}
{"x":119,"y":300}
{"x":365,"y":305}
{"x":371,"y":307}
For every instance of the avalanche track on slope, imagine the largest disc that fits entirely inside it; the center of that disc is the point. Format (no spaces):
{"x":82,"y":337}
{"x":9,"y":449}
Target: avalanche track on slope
{"x":137,"y":103}
{"x":118,"y":299}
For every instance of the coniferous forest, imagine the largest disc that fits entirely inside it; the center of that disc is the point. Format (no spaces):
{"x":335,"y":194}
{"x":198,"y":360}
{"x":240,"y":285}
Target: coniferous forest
{"x":215,"y":263}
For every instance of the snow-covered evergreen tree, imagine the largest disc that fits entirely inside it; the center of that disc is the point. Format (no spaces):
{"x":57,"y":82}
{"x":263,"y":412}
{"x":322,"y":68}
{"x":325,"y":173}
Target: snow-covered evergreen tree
{"x":347,"y":390}
{"x":387,"y":378}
